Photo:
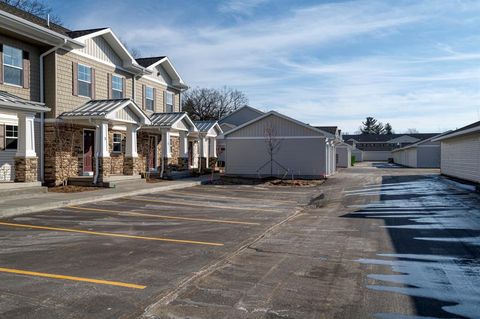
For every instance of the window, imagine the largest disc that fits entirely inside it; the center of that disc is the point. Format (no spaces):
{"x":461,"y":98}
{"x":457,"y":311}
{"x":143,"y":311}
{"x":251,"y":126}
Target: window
{"x":169,"y":102}
{"x":84,"y":80}
{"x":117,"y":142}
{"x":12,"y":65}
{"x":149,"y":98}
{"x":117,"y":87}
{"x":11,"y":137}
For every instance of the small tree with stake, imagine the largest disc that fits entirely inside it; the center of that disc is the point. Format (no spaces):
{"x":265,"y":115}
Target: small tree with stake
{"x":273,"y":145}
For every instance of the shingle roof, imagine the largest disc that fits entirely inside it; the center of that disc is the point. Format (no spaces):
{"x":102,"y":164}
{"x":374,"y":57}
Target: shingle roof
{"x":465,"y":128}
{"x":204,"y":126}
{"x":166,"y":119}
{"x":32,"y":18}
{"x":19,"y":102}
{"x":365,"y":138}
{"x":95,"y":108}
{"x":81,"y":33}
{"x":328,"y":129}
{"x":146,"y":62}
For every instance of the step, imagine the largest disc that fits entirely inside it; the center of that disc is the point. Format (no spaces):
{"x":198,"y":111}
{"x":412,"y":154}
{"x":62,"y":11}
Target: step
{"x":17,"y":191}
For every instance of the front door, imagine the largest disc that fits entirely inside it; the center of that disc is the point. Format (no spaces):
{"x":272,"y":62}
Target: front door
{"x":151,"y":153}
{"x":190,"y":154}
{"x":88,"y":150}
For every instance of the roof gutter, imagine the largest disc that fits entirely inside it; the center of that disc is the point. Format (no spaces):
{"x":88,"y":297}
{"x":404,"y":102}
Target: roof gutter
{"x":459,"y":133}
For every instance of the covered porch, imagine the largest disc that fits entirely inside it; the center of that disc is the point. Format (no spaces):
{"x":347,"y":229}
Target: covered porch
{"x":106,"y":140}
{"x":18,"y":152}
{"x":207,"y":134}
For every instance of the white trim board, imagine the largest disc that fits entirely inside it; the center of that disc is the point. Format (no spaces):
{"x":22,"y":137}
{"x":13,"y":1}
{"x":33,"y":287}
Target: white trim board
{"x":276,"y":137}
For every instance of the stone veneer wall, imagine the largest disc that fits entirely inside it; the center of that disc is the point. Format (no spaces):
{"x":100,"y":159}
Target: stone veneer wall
{"x":26,"y":169}
{"x":117,"y":159}
{"x":175,"y":143}
{"x":63,"y":152}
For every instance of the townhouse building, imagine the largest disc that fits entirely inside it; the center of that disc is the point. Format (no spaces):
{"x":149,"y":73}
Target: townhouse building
{"x":76,"y":103}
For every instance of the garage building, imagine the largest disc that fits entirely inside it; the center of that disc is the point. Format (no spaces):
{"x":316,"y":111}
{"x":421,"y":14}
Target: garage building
{"x":423,"y":154}
{"x":344,"y":155}
{"x":277,"y":145}
{"x":460,"y":153}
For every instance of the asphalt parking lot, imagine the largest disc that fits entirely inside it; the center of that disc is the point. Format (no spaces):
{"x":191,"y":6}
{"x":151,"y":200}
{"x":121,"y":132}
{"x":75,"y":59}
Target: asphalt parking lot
{"x":112,"y":259}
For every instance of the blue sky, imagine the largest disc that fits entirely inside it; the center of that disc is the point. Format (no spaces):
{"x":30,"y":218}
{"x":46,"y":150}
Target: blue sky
{"x":415,"y":64}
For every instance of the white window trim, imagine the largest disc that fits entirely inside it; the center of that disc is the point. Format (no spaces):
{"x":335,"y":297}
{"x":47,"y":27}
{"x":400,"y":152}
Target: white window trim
{"x":78,"y":79}
{"x":151,"y":99}
{"x":13,"y":66}
{"x":168,"y":93}
{"x":113,"y":143}
{"x":121,"y":81}
{"x":10,"y":137}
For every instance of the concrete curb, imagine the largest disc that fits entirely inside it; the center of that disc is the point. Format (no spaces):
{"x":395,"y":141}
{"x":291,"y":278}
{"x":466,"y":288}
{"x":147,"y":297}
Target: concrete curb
{"x":18,"y":211}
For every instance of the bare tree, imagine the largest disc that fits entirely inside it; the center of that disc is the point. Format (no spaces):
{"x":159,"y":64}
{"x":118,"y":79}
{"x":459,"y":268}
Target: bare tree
{"x":411,"y":131}
{"x":135,"y":52}
{"x":65,"y":154}
{"x":212,"y":104}
{"x":273,"y":145}
{"x":36,"y":7}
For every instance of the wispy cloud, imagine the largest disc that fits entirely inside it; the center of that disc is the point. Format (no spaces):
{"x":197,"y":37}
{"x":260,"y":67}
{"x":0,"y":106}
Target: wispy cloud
{"x":333,"y":63}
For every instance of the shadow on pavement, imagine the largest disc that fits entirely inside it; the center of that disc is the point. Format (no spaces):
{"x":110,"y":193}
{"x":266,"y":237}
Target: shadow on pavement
{"x":435,"y":230}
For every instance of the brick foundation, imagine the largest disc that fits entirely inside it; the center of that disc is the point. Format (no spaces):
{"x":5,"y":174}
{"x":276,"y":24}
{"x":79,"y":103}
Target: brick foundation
{"x":104,"y":168}
{"x":183,"y":163}
{"x":212,"y":162}
{"x":26,"y":169}
{"x":202,"y":162}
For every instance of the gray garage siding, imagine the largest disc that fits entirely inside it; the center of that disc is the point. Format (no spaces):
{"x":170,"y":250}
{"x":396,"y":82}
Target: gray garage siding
{"x":344,"y":156}
{"x":245,"y":156}
{"x":461,"y":157}
{"x":281,"y":127}
{"x":428,"y":156}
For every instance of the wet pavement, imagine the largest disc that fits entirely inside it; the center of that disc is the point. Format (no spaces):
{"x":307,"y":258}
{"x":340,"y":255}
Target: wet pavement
{"x":388,"y":242}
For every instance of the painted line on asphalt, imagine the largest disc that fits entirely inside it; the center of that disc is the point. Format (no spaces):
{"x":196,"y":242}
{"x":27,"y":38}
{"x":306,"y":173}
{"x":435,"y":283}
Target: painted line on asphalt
{"x":227,"y":197}
{"x":197,"y":205}
{"x":54,"y":276}
{"x":209,"y":220}
{"x":71,"y":230}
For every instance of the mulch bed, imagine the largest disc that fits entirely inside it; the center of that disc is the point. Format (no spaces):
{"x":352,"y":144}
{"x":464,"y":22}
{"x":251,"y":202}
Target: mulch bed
{"x":72,"y":189}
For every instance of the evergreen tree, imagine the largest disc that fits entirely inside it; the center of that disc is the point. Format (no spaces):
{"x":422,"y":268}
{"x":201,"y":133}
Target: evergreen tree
{"x":388,"y":129}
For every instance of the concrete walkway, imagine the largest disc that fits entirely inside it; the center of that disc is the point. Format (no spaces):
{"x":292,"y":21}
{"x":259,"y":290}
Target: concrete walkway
{"x":41,"y":202}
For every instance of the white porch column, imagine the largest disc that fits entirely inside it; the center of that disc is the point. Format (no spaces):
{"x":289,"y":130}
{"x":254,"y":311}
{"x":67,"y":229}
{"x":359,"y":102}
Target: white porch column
{"x":101,"y":146}
{"x":183,"y":144}
{"x":212,"y":143}
{"x":131,"y":145}
{"x":26,"y":135}
{"x":166,"y":149}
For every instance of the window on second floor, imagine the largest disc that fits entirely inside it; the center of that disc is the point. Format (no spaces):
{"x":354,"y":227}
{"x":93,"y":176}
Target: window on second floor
{"x":117,"y":142}
{"x":117,"y":87}
{"x":169,"y":102}
{"x":12,"y":65}
{"x":84,"y":80}
{"x":11,"y":137}
{"x":149,"y":98}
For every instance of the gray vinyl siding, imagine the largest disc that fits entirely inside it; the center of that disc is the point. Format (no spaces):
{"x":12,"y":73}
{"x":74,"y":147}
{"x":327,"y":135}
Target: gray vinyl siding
{"x":376,"y":155}
{"x":428,"y":156}
{"x":344,"y":155}
{"x":460,"y":157}
{"x":280,"y":126}
{"x":303,"y":157}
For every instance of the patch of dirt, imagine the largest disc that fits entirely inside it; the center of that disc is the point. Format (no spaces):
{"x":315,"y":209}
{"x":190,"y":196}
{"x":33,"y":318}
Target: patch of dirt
{"x":295,"y":182}
{"x":154,"y":180}
{"x":72,"y":189}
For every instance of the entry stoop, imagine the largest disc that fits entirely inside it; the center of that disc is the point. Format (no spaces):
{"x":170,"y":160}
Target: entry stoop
{"x":11,"y":191}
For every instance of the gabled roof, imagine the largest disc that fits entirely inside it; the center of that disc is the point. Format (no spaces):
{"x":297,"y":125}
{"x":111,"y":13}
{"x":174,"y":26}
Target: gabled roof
{"x":152,"y":62}
{"x":245,"y":107}
{"x":372,"y":138}
{"x":14,"y":102}
{"x":105,"y":109}
{"x":471,"y":128}
{"x":431,"y":139}
{"x":81,"y":33}
{"x":114,"y":42}
{"x":206,"y":126}
{"x":170,"y":120}
{"x":326,"y":134}
{"x":329,"y":129}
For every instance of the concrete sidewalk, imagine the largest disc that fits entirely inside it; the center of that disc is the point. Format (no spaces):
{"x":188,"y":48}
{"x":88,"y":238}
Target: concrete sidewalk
{"x":21,"y":206}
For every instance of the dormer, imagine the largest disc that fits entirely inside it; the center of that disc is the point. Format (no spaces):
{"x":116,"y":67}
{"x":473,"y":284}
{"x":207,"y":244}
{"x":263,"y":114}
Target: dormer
{"x":162,"y":70}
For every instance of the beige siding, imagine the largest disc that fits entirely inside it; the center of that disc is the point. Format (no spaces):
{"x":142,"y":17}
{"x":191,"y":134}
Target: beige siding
{"x":100,"y":49}
{"x":32,"y":93}
{"x":159,"y":88}
{"x":460,"y":157}
{"x":280,"y":127}
{"x":65,"y":100}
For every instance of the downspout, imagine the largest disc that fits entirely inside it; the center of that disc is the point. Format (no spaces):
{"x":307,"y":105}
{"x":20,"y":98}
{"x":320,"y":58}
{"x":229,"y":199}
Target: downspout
{"x":42,"y":114}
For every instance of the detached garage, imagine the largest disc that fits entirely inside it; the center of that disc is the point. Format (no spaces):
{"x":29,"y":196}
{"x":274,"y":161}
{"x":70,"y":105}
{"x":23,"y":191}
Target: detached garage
{"x":424,"y":154}
{"x":276,"y":145}
{"x":344,"y":155}
{"x":460,"y":153}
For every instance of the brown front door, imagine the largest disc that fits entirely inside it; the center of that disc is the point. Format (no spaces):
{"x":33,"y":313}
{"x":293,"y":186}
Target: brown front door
{"x":88,"y":150}
{"x":151,"y":152}
{"x":190,"y":153}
